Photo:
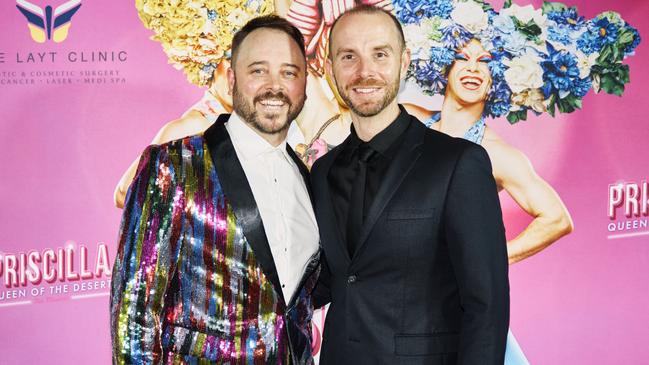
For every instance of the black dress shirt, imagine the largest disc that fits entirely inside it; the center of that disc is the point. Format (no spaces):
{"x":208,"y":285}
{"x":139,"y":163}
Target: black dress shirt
{"x":346,"y":167}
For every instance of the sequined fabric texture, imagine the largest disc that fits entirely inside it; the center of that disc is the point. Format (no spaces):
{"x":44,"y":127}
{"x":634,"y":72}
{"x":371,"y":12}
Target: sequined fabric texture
{"x":186,"y":286}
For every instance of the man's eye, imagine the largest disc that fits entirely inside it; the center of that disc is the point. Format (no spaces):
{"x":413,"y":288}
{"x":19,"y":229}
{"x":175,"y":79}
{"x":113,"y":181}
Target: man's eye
{"x":257,"y":71}
{"x":347,"y":57}
{"x":290,"y":74}
{"x":381,"y":55}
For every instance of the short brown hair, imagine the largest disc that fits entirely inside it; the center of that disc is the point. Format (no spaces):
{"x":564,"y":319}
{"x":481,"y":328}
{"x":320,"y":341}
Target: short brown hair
{"x":270,"y":22}
{"x":369,"y":9}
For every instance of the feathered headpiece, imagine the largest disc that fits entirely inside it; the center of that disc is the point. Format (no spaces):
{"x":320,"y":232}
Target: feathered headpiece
{"x":197,"y":35}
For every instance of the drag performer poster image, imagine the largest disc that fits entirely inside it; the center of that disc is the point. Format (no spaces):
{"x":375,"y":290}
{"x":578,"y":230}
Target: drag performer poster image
{"x":555,"y":92}
{"x":486,"y":63}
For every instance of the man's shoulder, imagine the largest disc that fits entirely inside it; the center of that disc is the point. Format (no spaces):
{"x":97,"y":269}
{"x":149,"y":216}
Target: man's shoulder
{"x":444,"y":145}
{"x":186,"y":145}
{"x":441,"y":151}
{"x":173,"y":156}
{"x":433,"y":138}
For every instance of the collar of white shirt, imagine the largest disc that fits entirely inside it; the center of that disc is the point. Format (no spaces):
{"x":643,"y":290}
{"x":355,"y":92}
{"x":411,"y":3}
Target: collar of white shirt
{"x":250,"y":144}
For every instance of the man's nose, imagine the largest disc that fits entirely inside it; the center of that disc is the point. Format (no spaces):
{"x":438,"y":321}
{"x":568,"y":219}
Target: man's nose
{"x":274,"y":82}
{"x":366,"y":68}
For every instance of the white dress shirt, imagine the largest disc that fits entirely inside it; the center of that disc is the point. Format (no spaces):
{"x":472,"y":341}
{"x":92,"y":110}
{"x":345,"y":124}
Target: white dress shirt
{"x":282,"y":199}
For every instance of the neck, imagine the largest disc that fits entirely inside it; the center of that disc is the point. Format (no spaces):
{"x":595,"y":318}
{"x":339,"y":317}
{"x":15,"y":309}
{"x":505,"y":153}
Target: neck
{"x":457,"y":117}
{"x":368,"y":127}
{"x":274,"y":139}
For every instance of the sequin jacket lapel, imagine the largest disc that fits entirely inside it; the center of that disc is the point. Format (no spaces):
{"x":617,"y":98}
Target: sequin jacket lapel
{"x":188,"y":285}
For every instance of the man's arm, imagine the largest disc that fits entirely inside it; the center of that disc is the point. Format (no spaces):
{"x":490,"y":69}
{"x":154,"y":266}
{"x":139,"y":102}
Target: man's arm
{"x":477,"y":247}
{"x":322,"y":292}
{"x":145,"y":260}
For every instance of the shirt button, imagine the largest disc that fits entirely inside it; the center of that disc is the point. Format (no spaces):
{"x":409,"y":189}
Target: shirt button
{"x":351,"y":279}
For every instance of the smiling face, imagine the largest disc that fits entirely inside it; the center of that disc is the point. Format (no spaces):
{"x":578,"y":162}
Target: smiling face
{"x":469,"y":78}
{"x":367,"y":61}
{"x":268,"y":81}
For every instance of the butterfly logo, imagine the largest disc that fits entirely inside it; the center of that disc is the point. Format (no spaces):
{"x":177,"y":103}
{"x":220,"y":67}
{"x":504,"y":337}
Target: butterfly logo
{"x":44,"y":25}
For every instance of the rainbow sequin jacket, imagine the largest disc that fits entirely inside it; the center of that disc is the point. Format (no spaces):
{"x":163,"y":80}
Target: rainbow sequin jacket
{"x":194,"y":280}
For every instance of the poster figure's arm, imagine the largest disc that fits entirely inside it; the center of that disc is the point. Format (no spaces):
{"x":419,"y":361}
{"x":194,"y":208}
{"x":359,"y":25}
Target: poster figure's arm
{"x":124,"y":182}
{"x":515,"y":174}
{"x":192,"y":123}
{"x":145,"y":261}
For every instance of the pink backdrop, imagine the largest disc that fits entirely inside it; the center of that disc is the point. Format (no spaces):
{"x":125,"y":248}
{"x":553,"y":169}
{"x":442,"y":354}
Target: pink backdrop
{"x":65,"y":146}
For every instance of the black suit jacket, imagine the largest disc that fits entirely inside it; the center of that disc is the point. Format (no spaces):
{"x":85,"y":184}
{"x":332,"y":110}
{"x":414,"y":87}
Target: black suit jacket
{"x":428,"y":283}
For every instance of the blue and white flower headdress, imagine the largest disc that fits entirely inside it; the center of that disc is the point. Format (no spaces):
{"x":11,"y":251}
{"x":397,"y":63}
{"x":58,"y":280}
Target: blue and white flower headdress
{"x":543,"y":59}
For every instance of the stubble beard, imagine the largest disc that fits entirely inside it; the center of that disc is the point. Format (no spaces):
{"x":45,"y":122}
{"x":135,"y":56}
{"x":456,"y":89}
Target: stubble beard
{"x":248,"y":113}
{"x":392,"y":89}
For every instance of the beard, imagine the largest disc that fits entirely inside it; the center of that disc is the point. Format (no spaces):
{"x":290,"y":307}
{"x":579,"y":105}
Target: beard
{"x":249,"y":114}
{"x":366,"y":109}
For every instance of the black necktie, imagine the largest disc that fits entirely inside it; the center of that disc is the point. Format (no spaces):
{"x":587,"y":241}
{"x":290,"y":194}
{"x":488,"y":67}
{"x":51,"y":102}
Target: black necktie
{"x":355,"y":215}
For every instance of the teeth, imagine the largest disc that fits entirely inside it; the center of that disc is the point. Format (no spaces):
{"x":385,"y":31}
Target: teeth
{"x":272,"y":102}
{"x":365,"y":91}
{"x":471,"y":80}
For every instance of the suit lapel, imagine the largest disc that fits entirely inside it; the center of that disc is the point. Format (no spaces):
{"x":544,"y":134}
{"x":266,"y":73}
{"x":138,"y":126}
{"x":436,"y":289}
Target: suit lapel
{"x":404,"y":160}
{"x":314,"y":262}
{"x":239,"y":194}
{"x":330,"y":223}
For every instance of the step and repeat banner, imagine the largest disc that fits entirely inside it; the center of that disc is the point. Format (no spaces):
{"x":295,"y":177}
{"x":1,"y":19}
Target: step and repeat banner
{"x":86,"y":85}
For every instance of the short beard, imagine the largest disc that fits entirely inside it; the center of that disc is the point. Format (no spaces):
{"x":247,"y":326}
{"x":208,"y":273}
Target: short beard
{"x":248,"y":113}
{"x":391,"y":93}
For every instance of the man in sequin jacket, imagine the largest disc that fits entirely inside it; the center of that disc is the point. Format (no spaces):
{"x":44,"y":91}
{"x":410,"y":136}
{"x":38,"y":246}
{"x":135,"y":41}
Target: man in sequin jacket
{"x":218,"y":246}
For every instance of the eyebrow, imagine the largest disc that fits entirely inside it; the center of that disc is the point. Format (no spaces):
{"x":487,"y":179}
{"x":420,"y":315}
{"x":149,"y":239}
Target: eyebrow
{"x":292,"y":65}
{"x":258,"y":63}
{"x":385,"y":47}
{"x":344,"y":50}
{"x":265,"y":63}
{"x":377,"y":48}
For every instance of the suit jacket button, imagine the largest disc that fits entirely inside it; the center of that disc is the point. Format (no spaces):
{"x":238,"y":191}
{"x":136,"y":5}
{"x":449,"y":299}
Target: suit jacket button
{"x":351,"y":279}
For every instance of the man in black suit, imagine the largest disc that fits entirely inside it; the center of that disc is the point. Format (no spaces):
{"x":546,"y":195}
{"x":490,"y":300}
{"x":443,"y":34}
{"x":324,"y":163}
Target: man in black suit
{"x":409,"y":218}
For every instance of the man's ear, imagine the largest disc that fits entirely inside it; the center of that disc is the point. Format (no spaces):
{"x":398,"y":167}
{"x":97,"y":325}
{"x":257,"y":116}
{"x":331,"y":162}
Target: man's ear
{"x":405,"y":62}
{"x":231,"y":80}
